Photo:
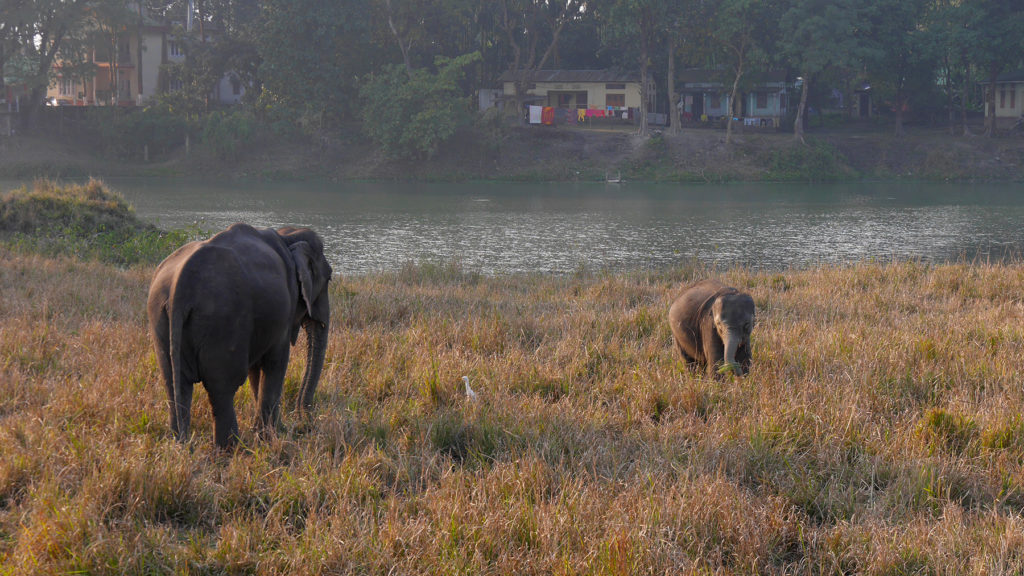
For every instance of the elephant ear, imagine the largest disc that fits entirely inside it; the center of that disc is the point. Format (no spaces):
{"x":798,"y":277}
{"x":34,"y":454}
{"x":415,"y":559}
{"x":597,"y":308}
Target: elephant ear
{"x":302,"y":254}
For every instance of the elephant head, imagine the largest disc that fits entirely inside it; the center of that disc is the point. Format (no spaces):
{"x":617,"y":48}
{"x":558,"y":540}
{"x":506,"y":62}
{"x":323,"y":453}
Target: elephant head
{"x":733,"y":315}
{"x":313,"y":314}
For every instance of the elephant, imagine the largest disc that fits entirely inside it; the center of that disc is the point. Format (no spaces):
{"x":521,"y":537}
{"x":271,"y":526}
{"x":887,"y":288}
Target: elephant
{"x":229,"y":308}
{"x":711,"y":324}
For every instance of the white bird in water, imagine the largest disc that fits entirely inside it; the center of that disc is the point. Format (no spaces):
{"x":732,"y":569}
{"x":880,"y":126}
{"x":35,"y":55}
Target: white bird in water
{"x":469,"y":391}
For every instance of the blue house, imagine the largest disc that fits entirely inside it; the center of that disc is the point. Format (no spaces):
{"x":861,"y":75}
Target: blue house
{"x":704,"y":97}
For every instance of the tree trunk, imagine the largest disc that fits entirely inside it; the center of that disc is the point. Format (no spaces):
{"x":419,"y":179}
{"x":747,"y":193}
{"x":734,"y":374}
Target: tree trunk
{"x":963,"y":100}
{"x":644,"y":130}
{"x":673,"y":96}
{"x":798,"y":125}
{"x":732,"y":101}
{"x":990,"y":104}
{"x":403,"y":45}
{"x":901,"y":103}
{"x":951,"y":114}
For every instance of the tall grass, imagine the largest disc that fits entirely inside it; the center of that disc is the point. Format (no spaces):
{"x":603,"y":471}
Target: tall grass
{"x":879,"y":431}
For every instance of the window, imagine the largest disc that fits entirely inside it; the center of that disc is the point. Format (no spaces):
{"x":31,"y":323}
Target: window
{"x":1002,"y":98}
{"x":615,"y":86}
{"x":716,"y":101}
{"x":67,"y":87}
{"x":174,"y":48}
{"x":236,"y":86}
{"x":762,"y":100}
{"x":1013,"y":97}
{"x":616,"y":100}
{"x":124,"y":53}
{"x":175,"y":85}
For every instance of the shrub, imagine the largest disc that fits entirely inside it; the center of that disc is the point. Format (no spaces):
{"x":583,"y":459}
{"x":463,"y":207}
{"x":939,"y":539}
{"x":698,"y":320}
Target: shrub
{"x":226,"y":133}
{"x":409,"y":114}
{"x":816,"y":162}
{"x":129,"y":133}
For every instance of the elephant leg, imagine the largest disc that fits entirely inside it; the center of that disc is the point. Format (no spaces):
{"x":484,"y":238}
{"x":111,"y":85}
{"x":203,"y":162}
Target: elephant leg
{"x":254,"y":384}
{"x":271,"y":384}
{"x":714,"y":353}
{"x":225,"y":423}
{"x":691,"y":362}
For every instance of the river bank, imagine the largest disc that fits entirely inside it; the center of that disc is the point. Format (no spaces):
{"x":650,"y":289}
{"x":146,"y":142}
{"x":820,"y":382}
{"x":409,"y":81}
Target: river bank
{"x":563,"y":154}
{"x":878,"y":432}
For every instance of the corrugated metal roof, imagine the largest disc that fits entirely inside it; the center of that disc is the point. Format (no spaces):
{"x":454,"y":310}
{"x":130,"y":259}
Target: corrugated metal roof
{"x":573,"y":76}
{"x":1014,"y":76}
{"x":705,"y":76}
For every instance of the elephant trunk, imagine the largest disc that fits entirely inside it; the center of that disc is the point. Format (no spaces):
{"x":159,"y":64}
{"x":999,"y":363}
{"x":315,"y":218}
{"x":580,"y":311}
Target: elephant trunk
{"x":316,"y":349}
{"x":732,"y":342}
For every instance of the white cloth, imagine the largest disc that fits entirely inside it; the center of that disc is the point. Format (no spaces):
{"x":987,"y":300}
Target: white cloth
{"x":535,"y":114}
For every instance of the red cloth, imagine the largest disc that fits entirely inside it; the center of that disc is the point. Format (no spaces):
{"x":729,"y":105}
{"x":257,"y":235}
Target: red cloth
{"x":547,"y":116}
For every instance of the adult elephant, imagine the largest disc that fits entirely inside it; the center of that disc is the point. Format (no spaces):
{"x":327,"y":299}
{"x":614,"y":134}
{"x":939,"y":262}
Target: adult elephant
{"x":711,"y":324}
{"x":231,"y":307}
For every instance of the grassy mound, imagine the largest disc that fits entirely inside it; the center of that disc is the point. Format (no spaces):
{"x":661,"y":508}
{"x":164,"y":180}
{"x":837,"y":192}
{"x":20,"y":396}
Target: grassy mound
{"x":87,"y":220}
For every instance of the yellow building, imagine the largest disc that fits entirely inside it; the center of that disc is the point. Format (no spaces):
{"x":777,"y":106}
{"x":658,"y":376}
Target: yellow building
{"x":578,"y":89}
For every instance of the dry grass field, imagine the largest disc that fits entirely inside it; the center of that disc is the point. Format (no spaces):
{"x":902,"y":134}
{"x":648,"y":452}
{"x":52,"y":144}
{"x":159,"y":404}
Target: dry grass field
{"x":879,"y":431}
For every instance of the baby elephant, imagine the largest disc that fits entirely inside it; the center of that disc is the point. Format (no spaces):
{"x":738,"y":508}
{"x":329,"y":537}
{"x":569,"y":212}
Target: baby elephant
{"x":711,"y":323}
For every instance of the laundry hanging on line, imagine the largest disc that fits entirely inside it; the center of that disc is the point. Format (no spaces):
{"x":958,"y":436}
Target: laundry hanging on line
{"x":535,"y":114}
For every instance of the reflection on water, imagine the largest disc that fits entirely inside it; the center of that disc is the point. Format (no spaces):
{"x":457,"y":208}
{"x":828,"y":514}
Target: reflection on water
{"x":500,"y":228}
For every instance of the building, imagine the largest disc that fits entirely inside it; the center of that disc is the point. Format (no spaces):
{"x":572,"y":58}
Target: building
{"x":578,"y":89}
{"x":134,"y":73}
{"x":704,"y":96}
{"x":1009,"y":101}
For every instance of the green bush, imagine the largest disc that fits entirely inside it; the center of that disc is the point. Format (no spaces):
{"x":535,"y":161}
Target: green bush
{"x":409,"y":114}
{"x":126,"y":133}
{"x":816,"y":162}
{"x":227,"y":133}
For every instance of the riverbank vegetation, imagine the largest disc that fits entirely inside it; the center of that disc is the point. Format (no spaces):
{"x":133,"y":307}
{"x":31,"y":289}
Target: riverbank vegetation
{"x":879,"y":431}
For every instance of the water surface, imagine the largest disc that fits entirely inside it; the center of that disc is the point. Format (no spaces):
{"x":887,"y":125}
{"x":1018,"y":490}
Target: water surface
{"x":506,"y":228}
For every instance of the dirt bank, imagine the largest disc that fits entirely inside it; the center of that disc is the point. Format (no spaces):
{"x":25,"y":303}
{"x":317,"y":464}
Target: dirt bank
{"x":567,"y":154}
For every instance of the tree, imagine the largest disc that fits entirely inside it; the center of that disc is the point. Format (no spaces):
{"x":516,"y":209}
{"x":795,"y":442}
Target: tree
{"x":896,"y":54}
{"x":689,"y":40}
{"x":314,"y":53}
{"x":532,"y":29}
{"x":637,"y":23}
{"x":38,"y":32}
{"x":739,"y":29}
{"x":942,"y":27}
{"x":814,"y":35}
{"x":409,"y":114}
{"x":110,"y":26}
{"x":993,"y":34}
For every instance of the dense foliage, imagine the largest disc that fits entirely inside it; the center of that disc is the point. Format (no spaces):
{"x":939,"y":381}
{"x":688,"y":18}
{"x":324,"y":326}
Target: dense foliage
{"x":328,"y":64}
{"x":410,"y":113}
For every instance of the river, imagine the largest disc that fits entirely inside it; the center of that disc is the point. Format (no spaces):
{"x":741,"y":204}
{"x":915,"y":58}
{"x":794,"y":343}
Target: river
{"x":496,"y":228}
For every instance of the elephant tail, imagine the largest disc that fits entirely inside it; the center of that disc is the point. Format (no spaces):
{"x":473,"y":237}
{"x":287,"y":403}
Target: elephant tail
{"x":176,"y":312}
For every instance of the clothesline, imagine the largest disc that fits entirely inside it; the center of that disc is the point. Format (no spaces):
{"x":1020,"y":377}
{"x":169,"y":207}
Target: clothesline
{"x":549,"y":115}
